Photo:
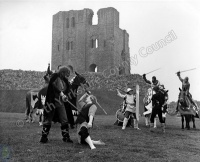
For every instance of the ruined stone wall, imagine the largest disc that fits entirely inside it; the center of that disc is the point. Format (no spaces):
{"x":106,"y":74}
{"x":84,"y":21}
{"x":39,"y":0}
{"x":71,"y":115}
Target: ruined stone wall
{"x":83,"y":46}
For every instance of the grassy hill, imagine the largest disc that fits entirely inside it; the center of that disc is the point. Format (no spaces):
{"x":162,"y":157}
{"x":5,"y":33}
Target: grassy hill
{"x":14,"y":85}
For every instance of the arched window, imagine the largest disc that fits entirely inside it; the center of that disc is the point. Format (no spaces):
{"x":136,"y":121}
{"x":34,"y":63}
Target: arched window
{"x":121,"y":70}
{"x":123,"y":55}
{"x":93,"y":68}
{"x":67,"y":46}
{"x":73,"y":22}
{"x":94,"y":43}
{"x":67,"y":22}
{"x":71,"y":45}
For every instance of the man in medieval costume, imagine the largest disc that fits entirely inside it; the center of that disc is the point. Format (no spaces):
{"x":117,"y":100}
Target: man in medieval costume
{"x":185,"y":88}
{"x":130,"y":100}
{"x":40,"y":104}
{"x":154,"y":82}
{"x":158,"y":100}
{"x":85,"y":120}
{"x":54,"y":105}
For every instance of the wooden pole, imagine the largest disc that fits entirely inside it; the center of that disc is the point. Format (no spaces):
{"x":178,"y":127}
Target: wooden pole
{"x":137,"y":102}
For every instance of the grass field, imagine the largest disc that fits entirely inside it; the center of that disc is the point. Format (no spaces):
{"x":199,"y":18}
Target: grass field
{"x":19,"y":142}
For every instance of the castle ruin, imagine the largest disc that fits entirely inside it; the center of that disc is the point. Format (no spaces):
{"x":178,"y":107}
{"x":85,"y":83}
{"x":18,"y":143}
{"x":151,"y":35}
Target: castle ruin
{"x":85,"y":47}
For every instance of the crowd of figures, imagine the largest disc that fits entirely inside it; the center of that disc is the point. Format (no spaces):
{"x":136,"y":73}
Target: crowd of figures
{"x":156,"y":104}
{"x":56,"y":99}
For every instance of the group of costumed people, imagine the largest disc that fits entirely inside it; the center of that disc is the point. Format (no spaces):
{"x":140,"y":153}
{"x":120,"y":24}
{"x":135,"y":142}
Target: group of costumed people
{"x":130,"y":104}
{"x":158,"y":109}
{"x":53,"y":106}
{"x":54,"y":109}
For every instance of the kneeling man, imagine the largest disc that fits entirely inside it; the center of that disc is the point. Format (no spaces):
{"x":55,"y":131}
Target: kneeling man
{"x":85,"y":119}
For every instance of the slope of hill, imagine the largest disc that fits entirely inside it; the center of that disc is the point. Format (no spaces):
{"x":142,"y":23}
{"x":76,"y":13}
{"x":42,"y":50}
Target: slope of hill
{"x":15,"y":83}
{"x":25,"y":80}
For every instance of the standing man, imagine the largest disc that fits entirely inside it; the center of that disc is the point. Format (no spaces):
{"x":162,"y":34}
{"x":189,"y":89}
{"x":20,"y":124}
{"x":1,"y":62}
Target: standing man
{"x":154,"y":82}
{"x":54,"y":104}
{"x":130,"y":100}
{"x":158,"y":100}
{"x":41,"y":100}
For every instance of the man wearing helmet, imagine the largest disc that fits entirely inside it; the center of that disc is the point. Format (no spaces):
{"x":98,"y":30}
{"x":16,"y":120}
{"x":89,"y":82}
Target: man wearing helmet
{"x":185,"y":83}
{"x":130,"y":100}
{"x":154,"y":82}
{"x":54,"y":104}
{"x":186,"y":88}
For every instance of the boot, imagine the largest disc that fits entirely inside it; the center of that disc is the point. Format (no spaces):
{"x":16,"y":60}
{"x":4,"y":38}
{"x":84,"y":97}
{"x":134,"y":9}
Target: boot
{"x":136,"y":124}
{"x":151,"y":127}
{"x":163,"y":127}
{"x":90,"y":143}
{"x":154,"y":124}
{"x":65,"y":133}
{"x":45,"y":132}
{"x":146,"y":122}
{"x":27,"y":117}
{"x":124,"y":123}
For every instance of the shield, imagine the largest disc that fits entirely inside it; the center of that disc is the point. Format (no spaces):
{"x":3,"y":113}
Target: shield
{"x":120,"y":115}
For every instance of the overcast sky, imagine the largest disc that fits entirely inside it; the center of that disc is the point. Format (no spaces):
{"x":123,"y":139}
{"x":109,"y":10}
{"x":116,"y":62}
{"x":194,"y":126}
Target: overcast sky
{"x":26,"y":36}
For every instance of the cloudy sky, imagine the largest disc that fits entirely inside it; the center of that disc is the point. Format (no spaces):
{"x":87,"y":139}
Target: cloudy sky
{"x":26,"y":35}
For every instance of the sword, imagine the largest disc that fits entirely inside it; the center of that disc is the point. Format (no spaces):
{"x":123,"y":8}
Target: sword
{"x":66,"y":100}
{"x":121,"y":90}
{"x":89,"y":93}
{"x":186,"y":70}
{"x":153,"y":71}
{"x":98,"y":103}
{"x":101,"y":108}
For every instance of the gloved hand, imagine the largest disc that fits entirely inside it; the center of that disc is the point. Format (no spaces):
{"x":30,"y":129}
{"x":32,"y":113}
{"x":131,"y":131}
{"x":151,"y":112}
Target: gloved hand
{"x":178,"y":73}
{"x":64,"y":98}
{"x":144,"y":75}
{"x":88,"y":92}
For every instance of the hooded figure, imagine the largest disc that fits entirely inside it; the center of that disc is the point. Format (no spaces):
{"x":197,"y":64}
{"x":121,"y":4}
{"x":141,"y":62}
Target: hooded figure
{"x":54,"y":109}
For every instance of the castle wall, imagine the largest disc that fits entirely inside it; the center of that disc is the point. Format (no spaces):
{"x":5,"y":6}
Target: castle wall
{"x":72,"y":37}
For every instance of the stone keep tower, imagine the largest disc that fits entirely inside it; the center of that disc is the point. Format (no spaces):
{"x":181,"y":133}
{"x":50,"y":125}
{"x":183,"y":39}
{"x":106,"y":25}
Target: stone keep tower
{"x":90,"y":48}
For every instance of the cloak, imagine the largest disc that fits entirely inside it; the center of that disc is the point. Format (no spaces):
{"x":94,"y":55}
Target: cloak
{"x":51,"y":97}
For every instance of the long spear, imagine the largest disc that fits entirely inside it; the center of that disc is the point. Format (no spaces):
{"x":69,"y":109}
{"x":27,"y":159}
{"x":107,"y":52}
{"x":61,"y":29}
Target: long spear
{"x":153,"y":71}
{"x":101,"y":108}
{"x":89,"y":93}
{"x":186,"y":70}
